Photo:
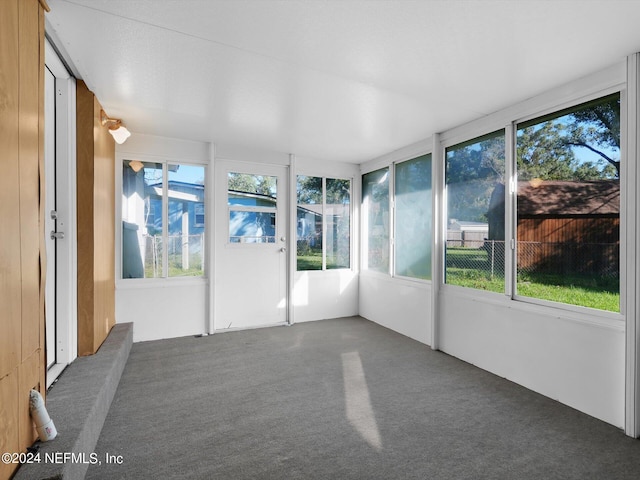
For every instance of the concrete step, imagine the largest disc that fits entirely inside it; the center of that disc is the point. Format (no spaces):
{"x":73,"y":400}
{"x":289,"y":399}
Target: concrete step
{"x":78,"y":404}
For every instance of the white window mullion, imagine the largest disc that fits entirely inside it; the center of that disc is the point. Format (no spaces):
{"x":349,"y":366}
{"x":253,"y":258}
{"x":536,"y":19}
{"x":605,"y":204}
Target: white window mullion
{"x":510,"y":193}
{"x":392,"y":219}
{"x":324,"y":223}
{"x":165,"y":220}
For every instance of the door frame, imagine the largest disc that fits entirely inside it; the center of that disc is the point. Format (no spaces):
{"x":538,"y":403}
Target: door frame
{"x":66,"y":271}
{"x":246,"y":166}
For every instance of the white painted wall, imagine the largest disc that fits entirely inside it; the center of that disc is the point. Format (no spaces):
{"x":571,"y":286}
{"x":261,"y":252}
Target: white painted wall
{"x":577,"y":359}
{"x":165,"y":308}
{"x":320,"y":295}
{"x":399,"y":304}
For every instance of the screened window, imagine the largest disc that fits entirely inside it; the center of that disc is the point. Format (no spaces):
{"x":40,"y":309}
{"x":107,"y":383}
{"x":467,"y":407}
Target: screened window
{"x":252,"y":201}
{"x":162,"y":235}
{"x":309,"y":223}
{"x":323,"y":223}
{"x":375,"y":199}
{"x":568,"y":206}
{"x":413,"y":218}
{"x":475,"y":247}
{"x":338,"y":223}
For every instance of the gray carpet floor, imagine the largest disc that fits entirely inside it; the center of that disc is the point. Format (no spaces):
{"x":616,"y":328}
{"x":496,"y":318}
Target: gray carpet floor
{"x":340,"y":399}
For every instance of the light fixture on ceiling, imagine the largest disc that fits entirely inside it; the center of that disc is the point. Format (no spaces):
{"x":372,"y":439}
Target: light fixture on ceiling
{"x":116,"y":129}
{"x":136,"y":165}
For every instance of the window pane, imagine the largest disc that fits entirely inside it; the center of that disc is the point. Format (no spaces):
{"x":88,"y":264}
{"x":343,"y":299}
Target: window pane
{"x":375,"y":199}
{"x":252,"y":190}
{"x":338,"y":231}
{"x":309,"y":223}
{"x":568,"y":206}
{"x":185,"y":240}
{"x":253,"y":201}
{"x":413,"y":218}
{"x":475,"y":213}
{"x":141,"y":219}
{"x":252,"y":227}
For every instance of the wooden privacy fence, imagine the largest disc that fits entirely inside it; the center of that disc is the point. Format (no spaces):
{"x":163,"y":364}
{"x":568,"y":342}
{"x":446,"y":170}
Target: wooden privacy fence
{"x":599,"y":259}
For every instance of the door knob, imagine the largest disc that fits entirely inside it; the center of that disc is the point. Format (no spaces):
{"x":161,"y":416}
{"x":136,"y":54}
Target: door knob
{"x":283,"y":249}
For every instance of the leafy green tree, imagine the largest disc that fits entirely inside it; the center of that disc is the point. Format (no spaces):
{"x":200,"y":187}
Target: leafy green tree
{"x":473,"y":171}
{"x":597,"y":128}
{"x":260,"y":184}
{"x":543,"y":153}
{"x":309,"y":190}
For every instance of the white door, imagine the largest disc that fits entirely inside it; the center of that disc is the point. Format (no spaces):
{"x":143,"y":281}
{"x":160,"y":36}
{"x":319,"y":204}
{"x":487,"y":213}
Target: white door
{"x":50,"y":215}
{"x":59,"y":227}
{"x":251,"y":241}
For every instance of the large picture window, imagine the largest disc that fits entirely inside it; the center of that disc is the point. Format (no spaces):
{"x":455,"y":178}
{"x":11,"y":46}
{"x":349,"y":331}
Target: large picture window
{"x":323,"y":223}
{"x":475,"y":248}
{"x":568,"y":206}
{"x":162,"y":219}
{"x":413,"y":224}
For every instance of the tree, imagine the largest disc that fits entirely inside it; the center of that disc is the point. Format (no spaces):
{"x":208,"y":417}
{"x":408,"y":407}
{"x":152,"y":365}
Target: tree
{"x":248,"y":183}
{"x":473,"y":171}
{"x":597,"y":128}
{"x":309,"y":190}
{"x":549,"y":149}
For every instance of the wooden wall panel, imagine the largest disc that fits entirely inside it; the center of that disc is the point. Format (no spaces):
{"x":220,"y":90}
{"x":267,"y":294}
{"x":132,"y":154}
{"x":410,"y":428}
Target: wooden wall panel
{"x":9,"y":419}
{"x":84,"y":175}
{"x":29,"y":144}
{"x":43,"y":259}
{"x":28,"y":378}
{"x":22,"y":362}
{"x":96,"y":224}
{"x":104,"y":229}
{"x":10,"y":275}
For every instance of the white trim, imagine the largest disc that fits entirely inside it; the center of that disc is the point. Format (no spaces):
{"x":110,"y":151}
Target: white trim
{"x":510,"y":212}
{"x":292,"y":238}
{"x":630,"y":264}
{"x":438,"y":237}
{"x":210,"y":218}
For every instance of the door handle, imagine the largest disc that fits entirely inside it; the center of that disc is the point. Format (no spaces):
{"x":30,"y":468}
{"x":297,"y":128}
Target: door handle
{"x":283,"y":249}
{"x":57,"y":235}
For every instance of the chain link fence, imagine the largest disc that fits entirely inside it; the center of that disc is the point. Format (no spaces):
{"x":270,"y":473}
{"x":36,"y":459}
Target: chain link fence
{"x":185,"y":255}
{"x":487,"y":258}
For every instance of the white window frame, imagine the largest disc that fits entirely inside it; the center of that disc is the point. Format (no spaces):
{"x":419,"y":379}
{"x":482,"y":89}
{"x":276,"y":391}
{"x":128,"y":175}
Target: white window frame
{"x":324,"y":179}
{"x":511,"y":222}
{"x":393,"y":206}
{"x":165,"y":162}
{"x":390,"y":161}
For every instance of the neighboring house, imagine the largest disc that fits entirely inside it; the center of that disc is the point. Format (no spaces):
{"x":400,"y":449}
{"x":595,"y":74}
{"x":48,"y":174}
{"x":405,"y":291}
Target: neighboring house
{"x":309,"y":225}
{"x":466,"y":234}
{"x":186,"y":208}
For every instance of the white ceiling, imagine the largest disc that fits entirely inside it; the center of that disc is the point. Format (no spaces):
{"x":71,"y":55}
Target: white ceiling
{"x":340,"y":80}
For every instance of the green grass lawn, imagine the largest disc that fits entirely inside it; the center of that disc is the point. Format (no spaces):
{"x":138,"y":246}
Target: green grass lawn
{"x":469,"y":267}
{"x":313,"y":261}
{"x":309,"y":261}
